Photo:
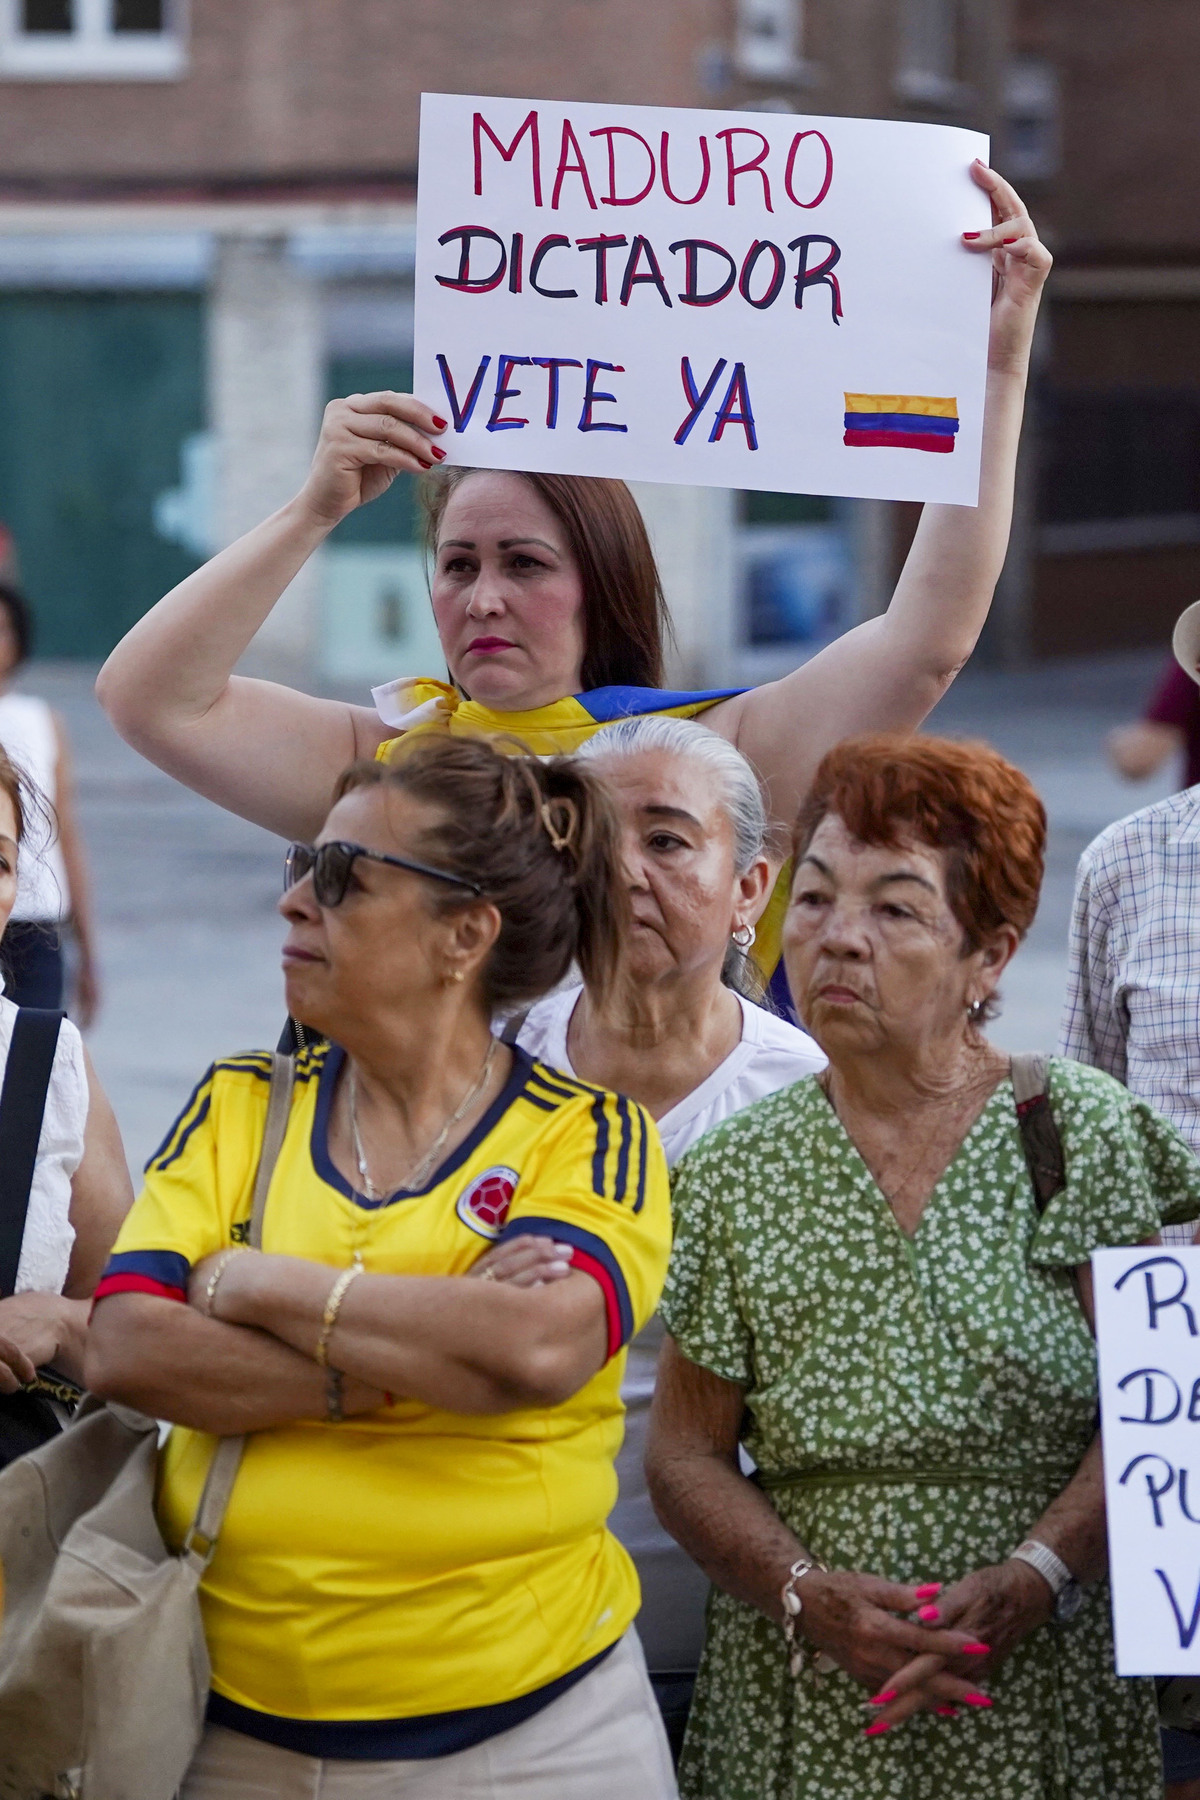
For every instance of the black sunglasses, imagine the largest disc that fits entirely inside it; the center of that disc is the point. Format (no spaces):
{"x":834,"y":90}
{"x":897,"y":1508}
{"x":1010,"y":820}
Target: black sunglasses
{"x":330,"y":866}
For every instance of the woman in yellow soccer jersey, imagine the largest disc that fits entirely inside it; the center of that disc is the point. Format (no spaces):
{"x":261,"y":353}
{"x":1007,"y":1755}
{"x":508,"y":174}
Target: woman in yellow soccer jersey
{"x":414,"y":1592}
{"x":550,"y":613}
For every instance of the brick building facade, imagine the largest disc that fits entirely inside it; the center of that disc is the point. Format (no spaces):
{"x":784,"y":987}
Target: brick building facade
{"x":206,"y":227}
{"x":1111,"y":161}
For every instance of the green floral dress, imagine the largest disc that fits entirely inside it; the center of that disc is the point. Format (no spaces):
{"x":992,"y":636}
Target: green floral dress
{"x":913,"y":1404}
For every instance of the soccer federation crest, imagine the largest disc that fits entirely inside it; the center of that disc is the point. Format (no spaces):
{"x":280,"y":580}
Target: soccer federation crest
{"x":484,"y":1202}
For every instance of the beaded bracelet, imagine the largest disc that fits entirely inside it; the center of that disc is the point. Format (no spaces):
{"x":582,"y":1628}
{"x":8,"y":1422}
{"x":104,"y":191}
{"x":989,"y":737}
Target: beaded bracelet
{"x":335,"y":1393}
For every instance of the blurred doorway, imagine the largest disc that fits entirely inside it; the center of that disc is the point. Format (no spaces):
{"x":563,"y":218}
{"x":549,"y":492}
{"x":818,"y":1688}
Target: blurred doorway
{"x":97,"y":394}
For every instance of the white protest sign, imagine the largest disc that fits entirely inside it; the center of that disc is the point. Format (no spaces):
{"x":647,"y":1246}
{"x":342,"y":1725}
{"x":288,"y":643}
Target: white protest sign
{"x":1148,"y":1332}
{"x":730,"y":299}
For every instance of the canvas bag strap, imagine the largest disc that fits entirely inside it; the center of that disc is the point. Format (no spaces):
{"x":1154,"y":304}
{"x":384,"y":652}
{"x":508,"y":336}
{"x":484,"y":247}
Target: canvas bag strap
{"x":1039,"y":1132}
{"x":201,"y":1541}
{"x":22,"y":1107}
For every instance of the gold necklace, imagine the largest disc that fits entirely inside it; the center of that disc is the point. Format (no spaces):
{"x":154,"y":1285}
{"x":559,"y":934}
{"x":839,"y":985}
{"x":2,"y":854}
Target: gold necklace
{"x":428,"y":1162}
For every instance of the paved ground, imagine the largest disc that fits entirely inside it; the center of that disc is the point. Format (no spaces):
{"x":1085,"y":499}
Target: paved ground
{"x":186,"y":895}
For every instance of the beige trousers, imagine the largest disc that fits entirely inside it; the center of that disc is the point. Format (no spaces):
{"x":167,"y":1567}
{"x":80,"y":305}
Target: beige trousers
{"x":601,"y":1740}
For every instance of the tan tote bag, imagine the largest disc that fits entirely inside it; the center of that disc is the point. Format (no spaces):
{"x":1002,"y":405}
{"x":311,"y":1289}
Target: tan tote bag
{"x":104,"y":1673}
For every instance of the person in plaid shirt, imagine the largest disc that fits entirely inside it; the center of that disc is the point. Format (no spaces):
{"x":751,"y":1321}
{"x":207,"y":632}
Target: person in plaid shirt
{"x":1133,"y":996}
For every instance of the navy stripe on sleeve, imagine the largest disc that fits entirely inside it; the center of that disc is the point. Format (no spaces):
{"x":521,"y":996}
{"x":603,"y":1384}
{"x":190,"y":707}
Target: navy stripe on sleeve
{"x":596,"y":1259}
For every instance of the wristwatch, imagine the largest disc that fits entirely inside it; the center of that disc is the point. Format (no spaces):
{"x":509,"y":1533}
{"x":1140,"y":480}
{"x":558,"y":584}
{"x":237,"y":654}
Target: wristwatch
{"x":1068,"y":1595}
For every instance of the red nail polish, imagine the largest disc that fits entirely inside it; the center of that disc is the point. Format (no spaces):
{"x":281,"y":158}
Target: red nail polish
{"x":977,"y":1649}
{"x":875,"y":1729}
{"x":439,"y":424}
{"x":425,"y":465}
{"x":437,"y":452}
{"x":884,"y":1699}
{"x":977,"y":1700}
{"x":1015,"y":240}
{"x":930,"y":1588}
{"x":927,"y":1614}
{"x":972,"y":234}
{"x":947,"y":1712}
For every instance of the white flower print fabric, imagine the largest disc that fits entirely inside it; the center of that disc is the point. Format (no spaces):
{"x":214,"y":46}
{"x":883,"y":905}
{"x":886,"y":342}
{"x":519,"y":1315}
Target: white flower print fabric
{"x":913,"y":1404}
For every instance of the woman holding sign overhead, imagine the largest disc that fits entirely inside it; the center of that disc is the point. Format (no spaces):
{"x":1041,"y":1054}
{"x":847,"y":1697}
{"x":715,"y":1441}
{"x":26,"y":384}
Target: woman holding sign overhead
{"x":550,"y":611}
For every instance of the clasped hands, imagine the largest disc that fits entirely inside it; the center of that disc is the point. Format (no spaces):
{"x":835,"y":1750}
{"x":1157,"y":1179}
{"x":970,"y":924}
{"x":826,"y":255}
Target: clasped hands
{"x":924,"y":1648}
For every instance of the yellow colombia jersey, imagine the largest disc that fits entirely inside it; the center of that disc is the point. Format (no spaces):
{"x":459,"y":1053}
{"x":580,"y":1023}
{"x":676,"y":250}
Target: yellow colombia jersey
{"x":410,"y":1567}
{"x":425,"y":706}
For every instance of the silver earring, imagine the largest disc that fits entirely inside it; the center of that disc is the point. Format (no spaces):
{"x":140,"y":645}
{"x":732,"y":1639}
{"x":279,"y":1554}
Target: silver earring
{"x":744,"y":936}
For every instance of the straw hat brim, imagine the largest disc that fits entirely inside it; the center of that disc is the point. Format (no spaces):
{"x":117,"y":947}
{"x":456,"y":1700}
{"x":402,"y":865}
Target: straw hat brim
{"x":1185,"y":641}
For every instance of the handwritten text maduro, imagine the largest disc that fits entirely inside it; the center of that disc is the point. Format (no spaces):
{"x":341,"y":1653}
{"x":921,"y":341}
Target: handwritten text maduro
{"x":690,"y":295}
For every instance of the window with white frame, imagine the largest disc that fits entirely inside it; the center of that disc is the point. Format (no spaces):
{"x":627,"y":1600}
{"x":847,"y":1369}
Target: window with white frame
{"x":929,"y":57}
{"x":769,"y":40}
{"x":92,"y":40}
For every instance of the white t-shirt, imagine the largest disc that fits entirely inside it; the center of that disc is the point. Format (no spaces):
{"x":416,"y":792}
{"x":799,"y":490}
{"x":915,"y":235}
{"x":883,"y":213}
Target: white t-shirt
{"x":27,"y":733}
{"x":771,"y":1055}
{"x":49,"y":1235}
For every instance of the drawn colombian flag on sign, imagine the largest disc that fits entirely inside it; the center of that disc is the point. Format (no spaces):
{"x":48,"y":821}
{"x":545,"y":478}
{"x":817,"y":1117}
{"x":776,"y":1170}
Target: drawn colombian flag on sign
{"x":901,"y":421}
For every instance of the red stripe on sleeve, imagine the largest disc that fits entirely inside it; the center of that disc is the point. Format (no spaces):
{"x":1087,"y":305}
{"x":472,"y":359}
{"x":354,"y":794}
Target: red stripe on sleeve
{"x":587,"y":1265}
{"x":136,"y":1284}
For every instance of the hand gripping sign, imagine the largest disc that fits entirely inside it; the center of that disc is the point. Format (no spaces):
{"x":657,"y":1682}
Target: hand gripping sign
{"x":1148,"y":1333}
{"x":729,"y":299}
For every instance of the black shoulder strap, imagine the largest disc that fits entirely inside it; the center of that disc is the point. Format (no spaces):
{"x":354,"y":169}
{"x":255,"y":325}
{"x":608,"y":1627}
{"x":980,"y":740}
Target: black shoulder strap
{"x":1039,"y":1131}
{"x":512,"y":1027}
{"x":22,"y":1105}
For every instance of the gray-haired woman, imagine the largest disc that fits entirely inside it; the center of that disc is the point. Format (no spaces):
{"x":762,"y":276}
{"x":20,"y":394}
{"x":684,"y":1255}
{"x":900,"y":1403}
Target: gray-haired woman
{"x":678,"y":1038}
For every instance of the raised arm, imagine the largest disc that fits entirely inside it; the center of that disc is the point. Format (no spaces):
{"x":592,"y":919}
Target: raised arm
{"x":262,"y":750}
{"x":888,"y":673}
{"x":466,"y":1346}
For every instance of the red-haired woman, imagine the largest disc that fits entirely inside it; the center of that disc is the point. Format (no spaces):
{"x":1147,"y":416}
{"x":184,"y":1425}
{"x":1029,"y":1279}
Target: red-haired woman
{"x":865,"y":1291}
{"x":550,"y":612}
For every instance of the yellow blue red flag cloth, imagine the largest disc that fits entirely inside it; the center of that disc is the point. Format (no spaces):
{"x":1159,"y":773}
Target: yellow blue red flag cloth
{"x":423,"y":705}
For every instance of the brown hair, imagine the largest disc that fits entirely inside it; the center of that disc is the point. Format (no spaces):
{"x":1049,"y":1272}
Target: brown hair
{"x":501,"y":820}
{"x":963,"y":798}
{"x":16,"y":784}
{"x":625,"y":618}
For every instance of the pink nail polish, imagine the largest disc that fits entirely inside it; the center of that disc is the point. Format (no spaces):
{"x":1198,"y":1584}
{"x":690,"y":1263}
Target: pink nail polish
{"x":977,"y":1650}
{"x":437,"y":453}
{"x":885,"y":1698}
{"x":972,"y":234}
{"x":440,"y":424}
{"x":927,"y":1614}
{"x":977,"y":1700}
{"x":931,"y":1588}
{"x":875,"y":1729}
{"x":947,"y":1712}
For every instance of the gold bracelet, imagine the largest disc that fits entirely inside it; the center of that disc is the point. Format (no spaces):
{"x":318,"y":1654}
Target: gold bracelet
{"x":210,"y":1289}
{"x":333,"y":1307}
